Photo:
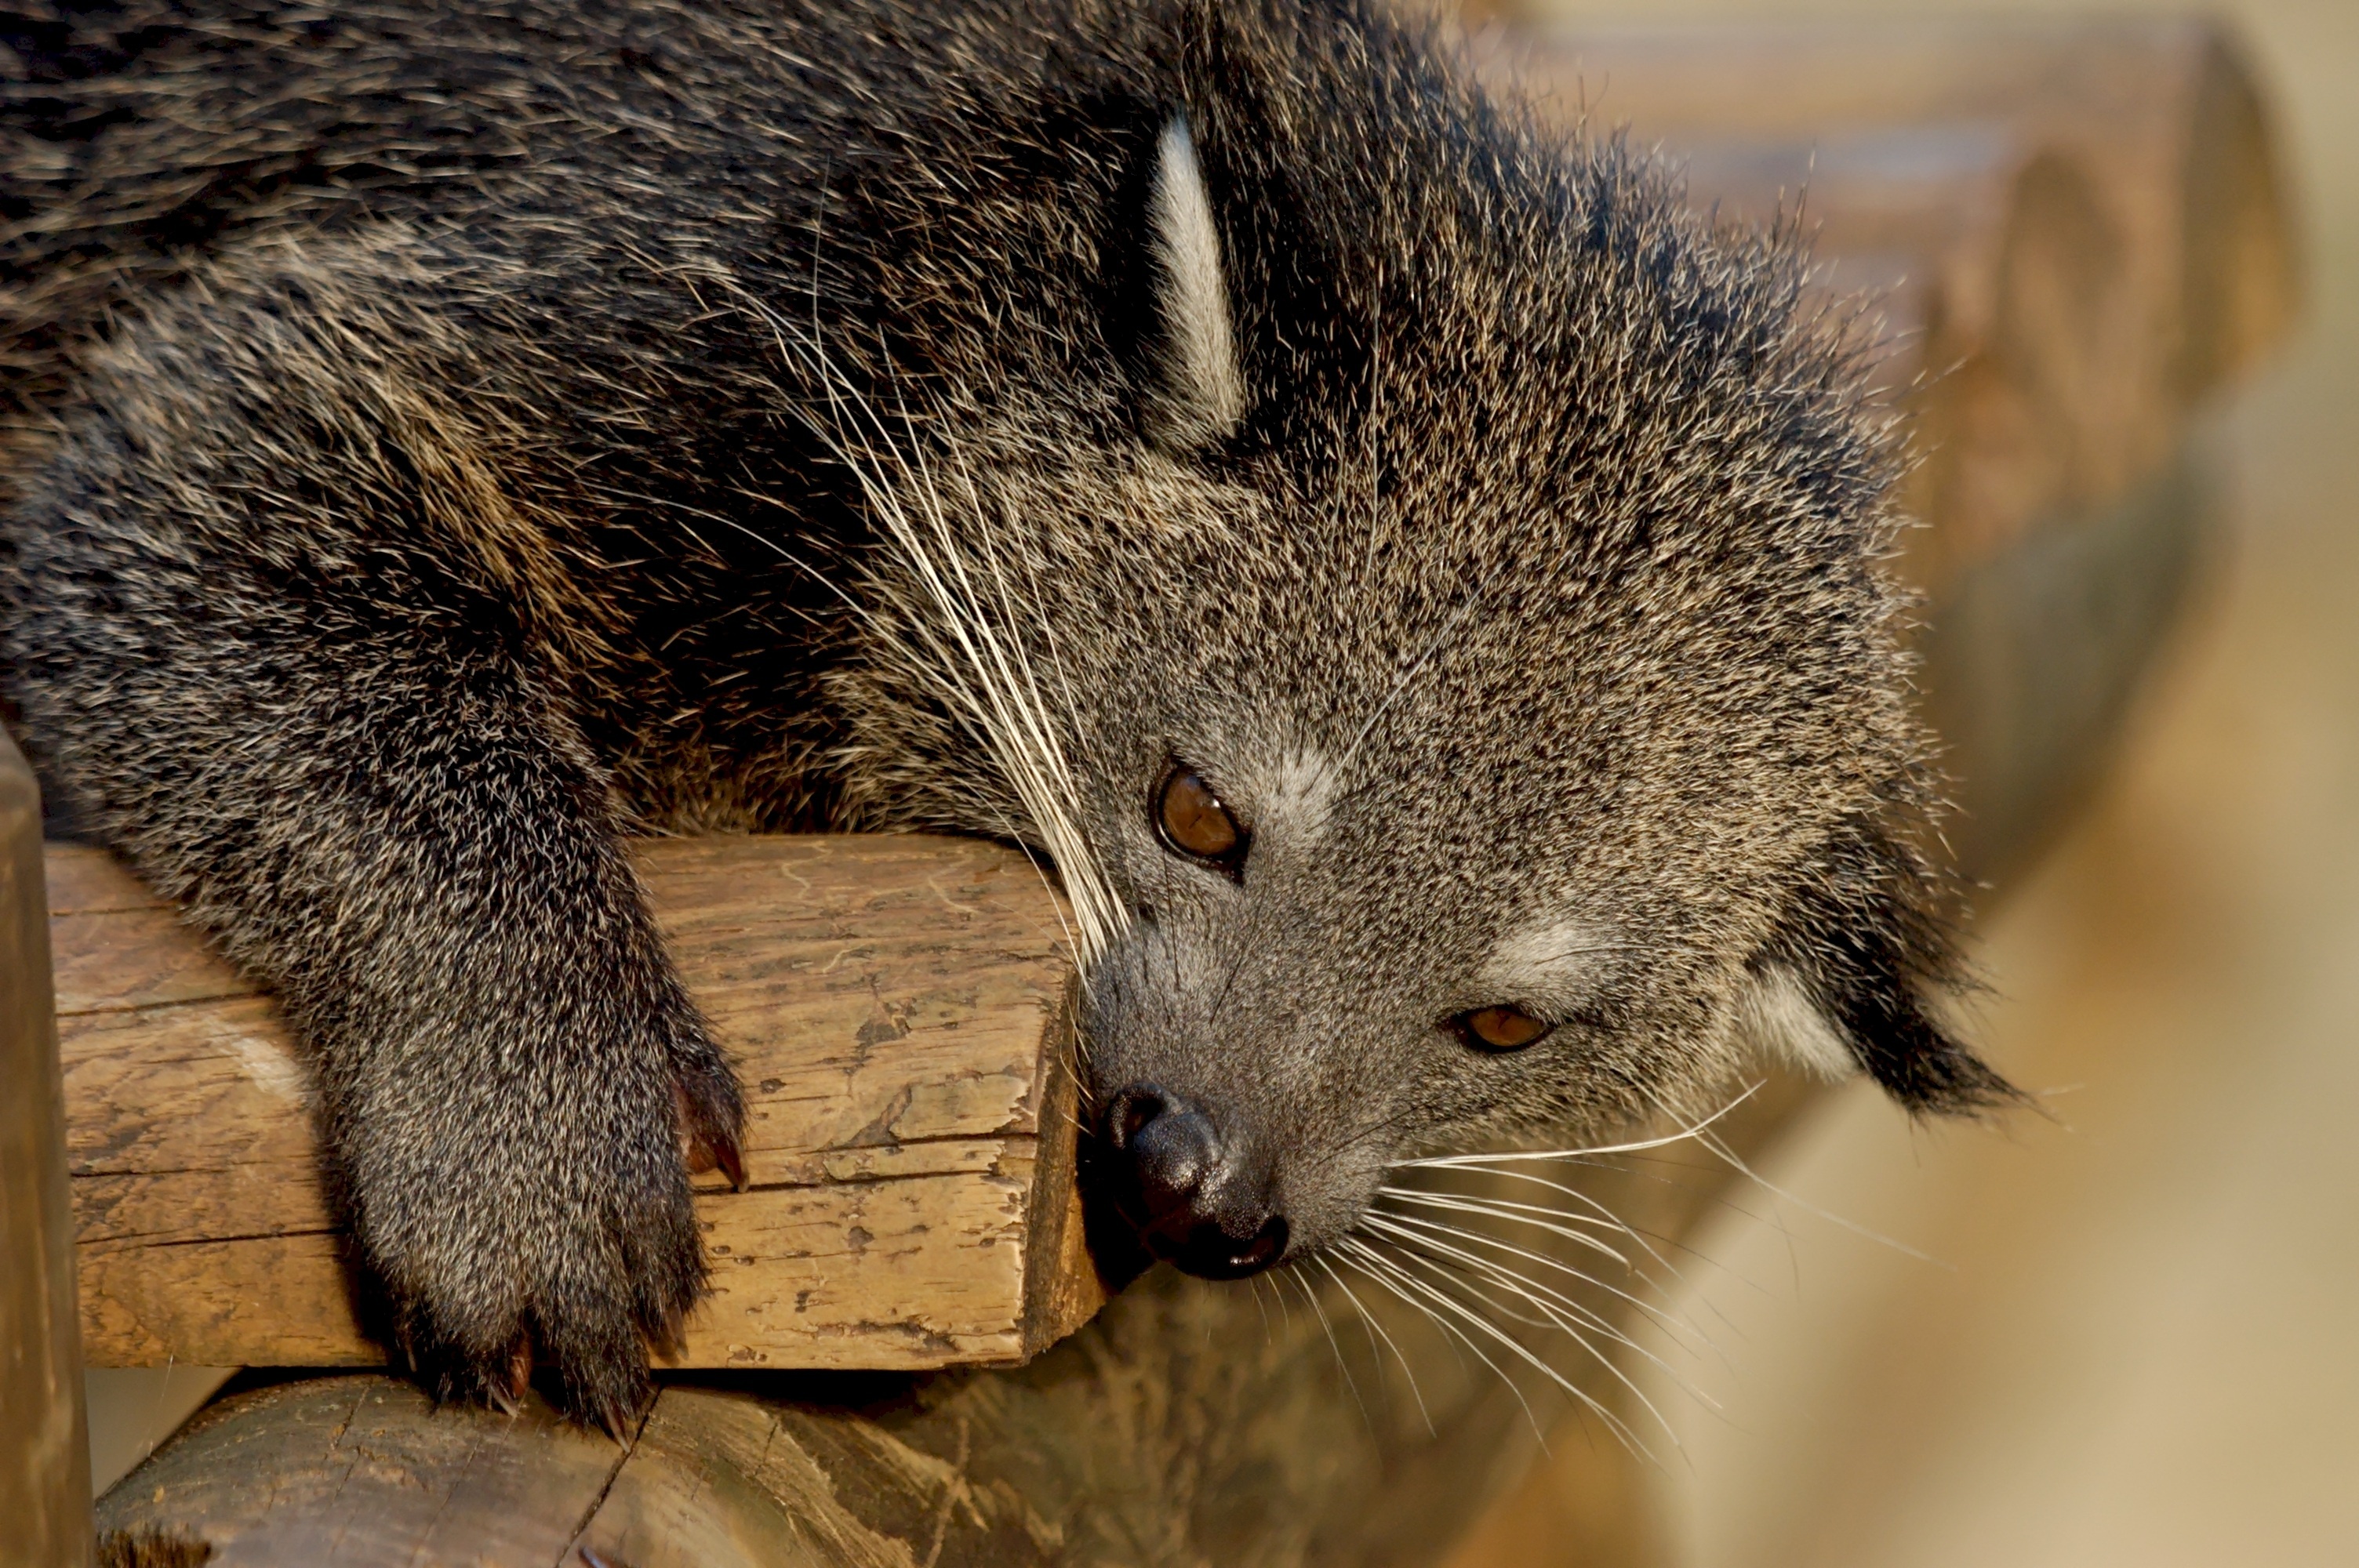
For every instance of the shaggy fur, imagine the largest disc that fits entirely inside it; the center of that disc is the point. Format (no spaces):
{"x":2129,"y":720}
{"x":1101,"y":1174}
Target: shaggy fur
{"x":448,"y":438}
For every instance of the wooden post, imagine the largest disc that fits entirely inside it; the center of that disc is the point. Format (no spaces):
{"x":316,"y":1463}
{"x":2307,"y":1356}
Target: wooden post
{"x":45,"y":1518}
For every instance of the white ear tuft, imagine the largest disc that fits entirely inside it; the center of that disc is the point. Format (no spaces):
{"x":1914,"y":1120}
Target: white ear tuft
{"x":1779,"y":1019}
{"x":1200,"y":396}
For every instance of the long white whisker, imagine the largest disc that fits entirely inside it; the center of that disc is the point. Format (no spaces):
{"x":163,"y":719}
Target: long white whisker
{"x":1377,"y":1267}
{"x":1555,"y":1221}
{"x":1285,"y":1313}
{"x":1410,"y":674}
{"x":1311,"y":1296}
{"x":1571,"y":1323}
{"x":1721,"y":1148}
{"x":1442,"y":1238}
{"x":1509,"y":1342}
{"x":1443,"y":1276}
{"x":1376,"y":1330}
{"x":1013,"y":727}
{"x":1606,"y":1217}
{"x":1526,"y":1156}
{"x":1572,"y":1331}
{"x":1081,"y":972}
{"x":1525,"y":1214}
{"x":1546,"y":1219}
{"x":982,"y":674}
{"x":1662,"y":1319}
{"x":1448,"y":1335}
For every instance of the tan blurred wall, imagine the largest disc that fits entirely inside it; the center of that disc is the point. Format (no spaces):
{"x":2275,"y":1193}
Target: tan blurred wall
{"x":2140,"y":1342}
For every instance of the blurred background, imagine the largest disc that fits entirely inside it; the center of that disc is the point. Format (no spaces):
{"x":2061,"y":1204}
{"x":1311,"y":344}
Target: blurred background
{"x":2129,"y":1335}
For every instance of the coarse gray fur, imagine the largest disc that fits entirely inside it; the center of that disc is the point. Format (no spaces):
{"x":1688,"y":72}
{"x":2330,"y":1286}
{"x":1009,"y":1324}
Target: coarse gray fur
{"x":445,"y":440}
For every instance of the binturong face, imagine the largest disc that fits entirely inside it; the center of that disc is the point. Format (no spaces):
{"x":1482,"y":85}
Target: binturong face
{"x":1414,"y":851}
{"x":1487,"y":720}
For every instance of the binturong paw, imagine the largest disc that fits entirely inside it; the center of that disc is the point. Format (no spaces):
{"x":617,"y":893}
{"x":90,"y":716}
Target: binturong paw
{"x":539,"y":1219}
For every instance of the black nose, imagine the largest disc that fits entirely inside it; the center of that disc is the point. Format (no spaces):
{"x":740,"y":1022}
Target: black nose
{"x":1189,"y":1200}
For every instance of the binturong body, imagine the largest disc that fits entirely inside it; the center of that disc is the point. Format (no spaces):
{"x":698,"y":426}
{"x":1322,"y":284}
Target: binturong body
{"x":1414,"y":583}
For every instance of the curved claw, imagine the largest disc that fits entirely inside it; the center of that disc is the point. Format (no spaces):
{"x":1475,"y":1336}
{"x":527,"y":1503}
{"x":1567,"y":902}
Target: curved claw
{"x":507,"y":1391}
{"x":733,"y":1162}
{"x":708,"y":1148}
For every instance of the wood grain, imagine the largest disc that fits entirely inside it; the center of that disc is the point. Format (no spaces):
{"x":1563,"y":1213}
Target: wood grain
{"x":894,"y":1006}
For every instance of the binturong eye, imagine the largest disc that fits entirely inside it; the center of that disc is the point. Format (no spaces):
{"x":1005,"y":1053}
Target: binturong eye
{"x":1500,"y":1028}
{"x":1191,"y":821}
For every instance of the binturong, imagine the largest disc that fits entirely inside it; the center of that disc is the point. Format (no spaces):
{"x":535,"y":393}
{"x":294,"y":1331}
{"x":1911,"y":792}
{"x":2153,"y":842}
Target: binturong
{"x":1414,"y":583}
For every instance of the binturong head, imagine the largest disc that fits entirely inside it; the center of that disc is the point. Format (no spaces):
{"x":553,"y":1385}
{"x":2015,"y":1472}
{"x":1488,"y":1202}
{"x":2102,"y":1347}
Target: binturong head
{"x":1452,"y":672}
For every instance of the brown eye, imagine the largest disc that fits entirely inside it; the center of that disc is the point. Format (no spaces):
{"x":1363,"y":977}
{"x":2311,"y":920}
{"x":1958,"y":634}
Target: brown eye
{"x":1194,"y":823}
{"x":1501,"y":1028}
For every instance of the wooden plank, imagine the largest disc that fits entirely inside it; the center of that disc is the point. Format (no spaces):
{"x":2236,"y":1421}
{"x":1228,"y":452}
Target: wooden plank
{"x":894,"y":1006}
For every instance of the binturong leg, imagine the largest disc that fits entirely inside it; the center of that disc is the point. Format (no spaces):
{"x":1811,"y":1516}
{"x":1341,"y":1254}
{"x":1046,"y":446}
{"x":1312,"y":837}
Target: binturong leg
{"x":276,"y":653}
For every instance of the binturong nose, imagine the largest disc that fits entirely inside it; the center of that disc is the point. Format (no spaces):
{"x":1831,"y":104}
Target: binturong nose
{"x":1188,"y":1199}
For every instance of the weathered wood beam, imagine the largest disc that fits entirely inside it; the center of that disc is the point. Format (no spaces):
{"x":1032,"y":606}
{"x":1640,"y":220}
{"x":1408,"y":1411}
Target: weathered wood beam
{"x":895,"y":1008}
{"x":45,"y":1474}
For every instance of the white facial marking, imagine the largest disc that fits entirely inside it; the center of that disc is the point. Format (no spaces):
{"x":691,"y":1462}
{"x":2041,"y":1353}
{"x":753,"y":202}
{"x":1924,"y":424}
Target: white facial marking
{"x":1779,"y":1019}
{"x":1202,"y":396}
{"x":1294,"y":807}
{"x":1559,"y":968}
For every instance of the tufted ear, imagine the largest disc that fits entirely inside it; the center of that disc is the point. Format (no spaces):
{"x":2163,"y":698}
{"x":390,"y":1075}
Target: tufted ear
{"x":1843,"y":986}
{"x":1197,"y":396}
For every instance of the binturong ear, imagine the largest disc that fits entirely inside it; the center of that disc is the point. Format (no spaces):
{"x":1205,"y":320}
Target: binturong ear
{"x":1196,"y":395}
{"x":1844,"y":987}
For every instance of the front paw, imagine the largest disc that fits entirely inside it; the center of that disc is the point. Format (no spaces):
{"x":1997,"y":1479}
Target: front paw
{"x":543,"y":1224}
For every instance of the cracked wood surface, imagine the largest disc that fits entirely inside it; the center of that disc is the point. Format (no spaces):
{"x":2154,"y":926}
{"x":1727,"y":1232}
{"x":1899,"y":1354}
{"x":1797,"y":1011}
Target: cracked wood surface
{"x":893,"y":1008}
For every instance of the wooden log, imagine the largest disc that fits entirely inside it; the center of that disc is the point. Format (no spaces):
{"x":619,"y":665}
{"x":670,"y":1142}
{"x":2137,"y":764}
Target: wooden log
{"x":894,"y":1006}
